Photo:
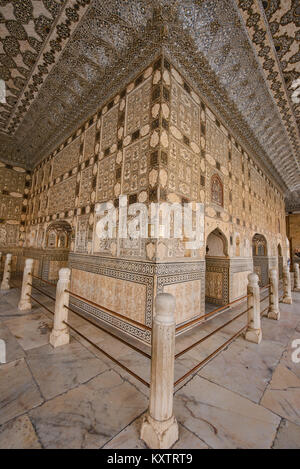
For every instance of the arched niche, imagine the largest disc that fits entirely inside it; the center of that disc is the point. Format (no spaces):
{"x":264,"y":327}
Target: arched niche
{"x":217,"y":191}
{"x":260,"y":258}
{"x":31,"y":238}
{"x":216,"y":244}
{"x":259,"y":245}
{"x":216,"y":269}
{"x":57,"y":242}
{"x":58,"y":235}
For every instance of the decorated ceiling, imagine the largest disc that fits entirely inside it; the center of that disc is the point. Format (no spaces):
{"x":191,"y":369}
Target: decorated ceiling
{"x":61,"y":59}
{"x":292,"y":201}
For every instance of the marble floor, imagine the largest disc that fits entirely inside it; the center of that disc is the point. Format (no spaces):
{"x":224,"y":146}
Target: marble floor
{"x":248,"y":396}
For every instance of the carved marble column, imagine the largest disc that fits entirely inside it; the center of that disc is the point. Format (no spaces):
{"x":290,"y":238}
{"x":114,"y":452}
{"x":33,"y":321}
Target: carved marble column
{"x":253,"y":332}
{"x":60,"y":333}
{"x":25,"y":300}
{"x":287,"y":291}
{"x":274,"y":312}
{"x":6,"y":274}
{"x":296,"y":277}
{"x":2,"y":351}
{"x":159,"y":428}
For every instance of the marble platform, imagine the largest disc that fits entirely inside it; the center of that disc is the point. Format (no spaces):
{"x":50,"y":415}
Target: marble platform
{"x":248,"y":396}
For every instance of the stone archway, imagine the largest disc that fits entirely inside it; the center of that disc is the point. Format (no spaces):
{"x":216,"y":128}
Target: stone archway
{"x":260,"y":258}
{"x":216,"y":269}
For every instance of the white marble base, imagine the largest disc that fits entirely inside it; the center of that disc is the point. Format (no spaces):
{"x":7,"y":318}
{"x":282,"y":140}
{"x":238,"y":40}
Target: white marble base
{"x":287,"y":300}
{"x":274,"y":315}
{"x":129,"y":438}
{"x":24,"y":306}
{"x":58,"y":338}
{"x":159,"y":435}
{"x":253,"y":335}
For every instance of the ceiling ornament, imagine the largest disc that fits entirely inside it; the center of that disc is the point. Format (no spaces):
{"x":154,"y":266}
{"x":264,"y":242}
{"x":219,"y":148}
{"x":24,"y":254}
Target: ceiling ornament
{"x":273,"y":27}
{"x":33,"y":35}
{"x":292,"y":201}
{"x":95,"y":49}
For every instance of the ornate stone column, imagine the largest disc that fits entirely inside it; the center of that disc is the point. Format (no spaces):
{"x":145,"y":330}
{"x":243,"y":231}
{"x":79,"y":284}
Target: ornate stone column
{"x":274,"y":312}
{"x":60,"y":334}
{"x":25,"y":300}
{"x":253,"y":332}
{"x":287,"y":292}
{"x":159,"y":428}
{"x":296,"y":277}
{"x":6,"y":274}
{"x":2,"y":351}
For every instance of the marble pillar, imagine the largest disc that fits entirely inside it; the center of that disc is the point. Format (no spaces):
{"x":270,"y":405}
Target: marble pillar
{"x":274,"y":312}
{"x":25,"y":300}
{"x":287,"y":290}
{"x":159,"y":428}
{"x":296,"y":277}
{"x":2,"y":351}
{"x":6,"y":274}
{"x":60,"y":333}
{"x":253,"y":332}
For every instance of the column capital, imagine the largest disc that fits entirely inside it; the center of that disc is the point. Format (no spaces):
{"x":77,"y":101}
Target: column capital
{"x":29,"y":262}
{"x":253,"y":280}
{"x":165,"y":307}
{"x":64,"y":273}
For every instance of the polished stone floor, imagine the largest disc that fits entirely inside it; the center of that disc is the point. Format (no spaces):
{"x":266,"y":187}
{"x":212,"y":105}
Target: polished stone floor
{"x":248,"y":396}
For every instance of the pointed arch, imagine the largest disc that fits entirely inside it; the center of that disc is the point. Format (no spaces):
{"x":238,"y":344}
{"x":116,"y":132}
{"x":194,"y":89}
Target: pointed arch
{"x":259,"y":245}
{"x":58,"y":235}
{"x":216,"y":190}
{"x":260,"y":258}
{"x":216,"y":244}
